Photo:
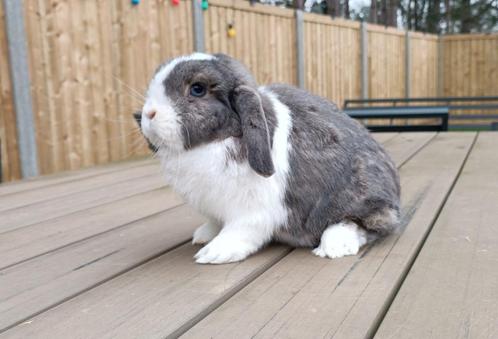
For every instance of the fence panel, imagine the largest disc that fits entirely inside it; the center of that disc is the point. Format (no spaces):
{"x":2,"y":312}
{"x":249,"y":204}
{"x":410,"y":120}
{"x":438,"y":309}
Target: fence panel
{"x":470,"y":65}
{"x":264,"y":41}
{"x":386,"y":62}
{"x":90,"y":63}
{"x":332,"y":57}
{"x":424,"y":64}
{"x":10,"y":165}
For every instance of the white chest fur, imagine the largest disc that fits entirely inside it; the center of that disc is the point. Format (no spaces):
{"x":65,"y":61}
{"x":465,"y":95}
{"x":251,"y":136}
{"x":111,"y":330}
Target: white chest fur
{"x":224,"y":189}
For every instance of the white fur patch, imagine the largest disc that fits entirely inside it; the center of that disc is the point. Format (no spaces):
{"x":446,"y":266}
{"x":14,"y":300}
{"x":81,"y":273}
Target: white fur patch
{"x":250,"y":207}
{"x":340,"y":240}
{"x":205,"y":233}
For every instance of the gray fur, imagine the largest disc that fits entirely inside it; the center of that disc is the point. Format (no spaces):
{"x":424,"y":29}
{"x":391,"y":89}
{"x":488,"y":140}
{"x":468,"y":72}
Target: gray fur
{"x":337,"y":171}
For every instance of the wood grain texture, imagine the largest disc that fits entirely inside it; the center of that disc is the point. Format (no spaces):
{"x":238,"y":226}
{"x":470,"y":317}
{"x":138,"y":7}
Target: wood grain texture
{"x":10,"y":165}
{"x":332,"y":62}
{"x":271,"y":54}
{"x":306,"y":297}
{"x":470,"y":67}
{"x":404,"y":145}
{"x":386,"y":65}
{"x":67,"y":176}
{"x":38,"y":284}
{"x":424,"y":65}
{"x":450,"y":292}
{"x":43,"y":237}
{"x":171,"y":287}
{"x":31,"y":197}
{"x":51,"y":209}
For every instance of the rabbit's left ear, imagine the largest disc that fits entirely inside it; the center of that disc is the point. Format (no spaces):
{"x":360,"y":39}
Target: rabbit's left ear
{"x":255,"y":132}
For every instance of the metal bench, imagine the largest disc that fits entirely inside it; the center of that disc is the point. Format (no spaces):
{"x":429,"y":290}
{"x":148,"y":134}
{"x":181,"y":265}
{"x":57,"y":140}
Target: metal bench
{"x":458,"y":121}
{"x":440,"y":113}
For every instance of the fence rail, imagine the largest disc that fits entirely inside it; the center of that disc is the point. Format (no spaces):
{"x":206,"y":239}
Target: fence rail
{"x":85,"y":56}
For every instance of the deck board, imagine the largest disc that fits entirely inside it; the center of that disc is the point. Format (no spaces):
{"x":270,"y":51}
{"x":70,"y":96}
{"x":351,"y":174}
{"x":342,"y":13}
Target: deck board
{"x":302,"y":297}
{"x":452,"y":289}
{"x":188,"y":291}
{"x":60,"y":178}
{"x":49,"y":279}
{"x":28,"y":242}
{"x":73,"y":187}
{"x":383,"y":137}
{"x":52,"y":208}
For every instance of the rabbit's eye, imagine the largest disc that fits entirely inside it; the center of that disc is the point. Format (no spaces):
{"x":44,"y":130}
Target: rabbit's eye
{"x":198,"y":90}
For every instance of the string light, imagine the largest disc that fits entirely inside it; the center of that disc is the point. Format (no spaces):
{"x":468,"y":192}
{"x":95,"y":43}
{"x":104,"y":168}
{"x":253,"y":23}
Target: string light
{"x":231,"y":32}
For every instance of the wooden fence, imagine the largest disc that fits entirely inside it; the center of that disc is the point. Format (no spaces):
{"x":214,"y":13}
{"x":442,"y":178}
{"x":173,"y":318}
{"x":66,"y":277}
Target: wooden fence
{"x":90,"y":61}
{"x":9,"y":156}
{"x":470,"y":65}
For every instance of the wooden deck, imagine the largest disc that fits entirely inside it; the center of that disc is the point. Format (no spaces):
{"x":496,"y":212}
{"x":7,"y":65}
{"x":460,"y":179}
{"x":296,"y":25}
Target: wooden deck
{"x":105,"y":253}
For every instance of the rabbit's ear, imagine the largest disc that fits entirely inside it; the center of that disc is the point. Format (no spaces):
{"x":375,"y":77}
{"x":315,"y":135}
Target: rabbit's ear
{"x":255,"y":133}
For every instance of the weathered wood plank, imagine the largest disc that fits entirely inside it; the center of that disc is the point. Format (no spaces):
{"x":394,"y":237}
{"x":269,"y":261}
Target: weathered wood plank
{"x":51,"y":209}
{"x":63,"y":177}
{"x":171,"y":287}
{"x":383,"y":137}
{"x":451,"y":290}
{"x":21,"y":244}
{"x":72,"y":188}
{"x":306,"y":297}
{"x":38,"y":284}
{"x":405,"y":145}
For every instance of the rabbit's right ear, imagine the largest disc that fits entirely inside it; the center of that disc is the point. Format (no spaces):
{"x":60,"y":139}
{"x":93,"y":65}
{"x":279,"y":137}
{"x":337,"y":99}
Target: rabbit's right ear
{"x":255,"y":132}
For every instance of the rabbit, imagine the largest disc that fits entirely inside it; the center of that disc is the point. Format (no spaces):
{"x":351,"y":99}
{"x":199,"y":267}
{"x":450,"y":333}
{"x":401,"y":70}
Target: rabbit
{"x":263,"y":164}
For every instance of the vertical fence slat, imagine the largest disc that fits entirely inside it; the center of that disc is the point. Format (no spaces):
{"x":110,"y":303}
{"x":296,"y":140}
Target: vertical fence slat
{"x":364,"y":59}
{"x":300,"y":48}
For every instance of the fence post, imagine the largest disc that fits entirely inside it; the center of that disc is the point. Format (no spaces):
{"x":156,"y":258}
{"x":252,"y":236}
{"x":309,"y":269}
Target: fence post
{"x":408,"y":64}
{"x":300,"y":48}
{"x":198,"y":22}
{"x":19,"y":73}
{"x":364,"y":59}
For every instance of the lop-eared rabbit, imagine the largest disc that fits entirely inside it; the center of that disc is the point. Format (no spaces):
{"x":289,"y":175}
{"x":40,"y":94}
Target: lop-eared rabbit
{"x":262,"y":164}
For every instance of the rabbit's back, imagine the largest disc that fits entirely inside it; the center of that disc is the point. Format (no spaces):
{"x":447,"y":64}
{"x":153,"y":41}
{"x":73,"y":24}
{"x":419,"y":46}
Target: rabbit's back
{"x":337,"y":170}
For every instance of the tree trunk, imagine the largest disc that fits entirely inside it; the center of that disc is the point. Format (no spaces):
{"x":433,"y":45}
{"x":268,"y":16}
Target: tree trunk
{"x":299,"y":4}
{"x":466,"y":17}
{"x":347,"y":14}
{"x":392,"y":13}
{"x":373,"y":12}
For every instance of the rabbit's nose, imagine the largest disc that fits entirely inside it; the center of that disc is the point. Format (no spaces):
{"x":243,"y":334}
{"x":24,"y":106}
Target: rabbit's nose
{"x":150,"y":114}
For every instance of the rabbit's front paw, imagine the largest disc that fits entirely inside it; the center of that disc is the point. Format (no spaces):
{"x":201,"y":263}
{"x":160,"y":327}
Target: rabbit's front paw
{"x":205,"y":233}
{"x":223,"y":249}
